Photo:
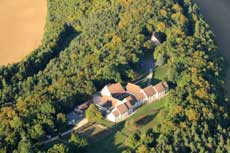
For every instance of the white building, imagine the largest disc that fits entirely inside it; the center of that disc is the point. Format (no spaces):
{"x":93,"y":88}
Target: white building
{"x":136,"y":91}
{"x":118,"y":103}
{"x":112,"y":90}
{"x":155,"y":39}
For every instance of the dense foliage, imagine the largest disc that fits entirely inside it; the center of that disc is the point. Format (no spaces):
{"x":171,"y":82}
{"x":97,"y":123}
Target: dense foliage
{"x":90,"y":43}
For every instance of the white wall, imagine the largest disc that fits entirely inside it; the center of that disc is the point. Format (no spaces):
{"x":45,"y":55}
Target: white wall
{"x":105,"y":91}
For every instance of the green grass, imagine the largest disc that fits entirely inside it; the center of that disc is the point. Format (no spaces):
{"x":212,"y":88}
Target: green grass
{"x":147,"y":116}
{"x":160,"y":73}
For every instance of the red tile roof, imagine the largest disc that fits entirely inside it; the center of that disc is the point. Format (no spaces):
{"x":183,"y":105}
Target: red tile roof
{"x":84,"y":105}
{"x":128,"y":104}
{"x":139,"y":96}
{"x":122,"y":108}
{"x":135,"y":90}
{"x":149,"y":91}
{"x":115,"y":113}
{"x":132,"y":88}
{"x":101,"y":100}
{"x":116,"y":88}
{"x":132,"y":100}
{"x":160,"y":87}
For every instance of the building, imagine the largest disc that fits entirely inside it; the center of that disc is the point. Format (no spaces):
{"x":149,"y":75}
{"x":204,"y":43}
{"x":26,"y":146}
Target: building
{"x":161,"y":89}
{"x":113,"y":116}
{"x":136,"y":91}
{"x":155,"y":39}
{"x":121,"y":111}
{"x":150,"y":93}
{"x":84,"y":105}
{"x":116,"y":103}
{"x":132,"y":103}
{"x":112,"y":90}
{"x":105,"y":103}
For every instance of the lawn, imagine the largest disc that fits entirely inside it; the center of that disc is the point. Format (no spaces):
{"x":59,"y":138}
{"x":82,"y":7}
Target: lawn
{"x":160,"y":73}
{"x":147,"y":116}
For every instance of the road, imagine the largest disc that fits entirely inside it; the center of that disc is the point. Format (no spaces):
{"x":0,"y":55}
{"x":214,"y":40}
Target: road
{"x":80,"y":124}
{"x":148,"y":77}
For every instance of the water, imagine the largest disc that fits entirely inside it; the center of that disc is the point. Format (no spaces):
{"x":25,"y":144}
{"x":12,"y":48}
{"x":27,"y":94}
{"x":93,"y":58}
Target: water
{"x":217,"y":14}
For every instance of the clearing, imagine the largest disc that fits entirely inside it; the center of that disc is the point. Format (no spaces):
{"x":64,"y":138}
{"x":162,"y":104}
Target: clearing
{"x":21,"y":28}
{"x":147,"y":116}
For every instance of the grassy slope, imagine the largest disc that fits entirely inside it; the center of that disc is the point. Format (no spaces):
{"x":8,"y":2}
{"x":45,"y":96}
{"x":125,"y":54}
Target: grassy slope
{"x":148,"y":116}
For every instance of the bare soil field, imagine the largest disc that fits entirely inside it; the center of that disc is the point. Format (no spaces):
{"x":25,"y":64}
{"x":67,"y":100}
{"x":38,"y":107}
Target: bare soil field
{"x":21,"y":28}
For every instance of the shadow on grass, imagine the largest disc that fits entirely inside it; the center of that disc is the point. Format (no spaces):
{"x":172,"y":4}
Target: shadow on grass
{"x":155,"y":81}
{"x":88,"y":132}
{"x":104,"y":141}
{"x":145,"y":119}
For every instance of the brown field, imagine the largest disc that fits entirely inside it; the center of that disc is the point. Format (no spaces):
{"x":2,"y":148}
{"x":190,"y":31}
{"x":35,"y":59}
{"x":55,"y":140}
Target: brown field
{"x":21,"y":28}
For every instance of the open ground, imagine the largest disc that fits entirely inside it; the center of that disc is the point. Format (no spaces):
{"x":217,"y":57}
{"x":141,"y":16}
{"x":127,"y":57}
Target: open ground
{"x":22,"y":26}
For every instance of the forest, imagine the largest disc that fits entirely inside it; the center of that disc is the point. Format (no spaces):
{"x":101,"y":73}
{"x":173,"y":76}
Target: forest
{"x":88,"y":44}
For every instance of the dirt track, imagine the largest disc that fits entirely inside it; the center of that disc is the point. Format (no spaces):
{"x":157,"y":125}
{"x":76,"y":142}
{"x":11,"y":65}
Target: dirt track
{"x":21,"y":28}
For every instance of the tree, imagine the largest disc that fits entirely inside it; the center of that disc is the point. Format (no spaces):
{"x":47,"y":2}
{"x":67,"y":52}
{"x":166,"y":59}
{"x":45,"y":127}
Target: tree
{"x":77,"y":143}
{"x":142,"y":149}
{"x":24,"y":147}
{"x":93,"y":114}
{"x":37,"y":131}
{"x":161,"y":27}
{"x":61,"y":120}
{"x":59,"y":148}
{"x":132,"y":140}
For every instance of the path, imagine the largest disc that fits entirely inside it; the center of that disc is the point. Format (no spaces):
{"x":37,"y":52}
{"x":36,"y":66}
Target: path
{"x":148,"y":77}
{"x":80,"y":124}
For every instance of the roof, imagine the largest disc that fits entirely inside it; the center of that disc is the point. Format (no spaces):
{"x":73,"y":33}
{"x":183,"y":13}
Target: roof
{"x":165,"y":84}
{"x":100,"y":99}
{"x":128,"y":104}
{"x":115,"y":113}
{"x":132,"y":88}
{"x":103,"y":100}
{"x":122,"y":108}
{"x":121,"y":96}
{"x":113,"y":100}
{"x":161,"y":86}
{"x":84,"y":105}
{"x":135,"y":90}
{"x":139,"y":96}
{"x":149,"y":91}
{"x":116,"y":88}
{"x":132,"y":100}
{"x":155,"y":37}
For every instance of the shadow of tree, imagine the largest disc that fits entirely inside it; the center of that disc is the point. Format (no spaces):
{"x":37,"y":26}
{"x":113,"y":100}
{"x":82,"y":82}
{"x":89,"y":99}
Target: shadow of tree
{"x":155,"y":81}
{"x":39,"y":59}
{"x":104,"y":140}
{"x":145,"y":119}
{"x":88,"y":132}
